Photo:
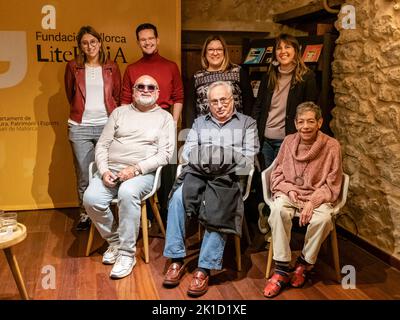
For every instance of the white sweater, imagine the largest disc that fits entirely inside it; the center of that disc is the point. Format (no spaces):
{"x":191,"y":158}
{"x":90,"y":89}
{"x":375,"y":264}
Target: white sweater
{"x":134,"y":137}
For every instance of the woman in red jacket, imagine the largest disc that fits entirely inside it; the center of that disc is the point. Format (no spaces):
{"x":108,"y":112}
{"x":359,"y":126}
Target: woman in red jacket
{"x":92,"y":85}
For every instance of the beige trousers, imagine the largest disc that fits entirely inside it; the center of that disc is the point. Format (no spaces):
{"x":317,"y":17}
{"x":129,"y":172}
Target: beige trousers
{"x":280,"y":220}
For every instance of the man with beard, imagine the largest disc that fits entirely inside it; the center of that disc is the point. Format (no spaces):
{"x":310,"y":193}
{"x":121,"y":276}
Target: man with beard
{"x":167,"y":75}
{"x":136,"y":140}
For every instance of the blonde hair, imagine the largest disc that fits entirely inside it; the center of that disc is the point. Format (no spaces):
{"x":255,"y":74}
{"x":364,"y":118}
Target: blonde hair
{"x":300,"y":68}
{"x":226,"y":63}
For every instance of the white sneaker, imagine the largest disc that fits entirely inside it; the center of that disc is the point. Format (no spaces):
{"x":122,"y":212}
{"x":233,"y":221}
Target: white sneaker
{"x":122,"y":267}
{"x":111,"y":255}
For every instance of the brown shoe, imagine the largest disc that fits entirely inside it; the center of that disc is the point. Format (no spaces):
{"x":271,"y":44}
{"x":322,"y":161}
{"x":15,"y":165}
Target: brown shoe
{"x":199,"y":284}
{"x":174,"y":274}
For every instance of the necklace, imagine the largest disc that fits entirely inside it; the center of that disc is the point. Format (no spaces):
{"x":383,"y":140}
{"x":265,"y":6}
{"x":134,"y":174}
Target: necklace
{"x":299,"y":180}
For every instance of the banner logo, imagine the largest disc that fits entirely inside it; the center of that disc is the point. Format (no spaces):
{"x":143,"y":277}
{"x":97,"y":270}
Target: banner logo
{"x":13,"y":50}
{"x":49,"y":20}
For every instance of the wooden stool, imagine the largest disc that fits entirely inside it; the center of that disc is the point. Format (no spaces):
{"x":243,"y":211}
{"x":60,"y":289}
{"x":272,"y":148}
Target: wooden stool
{"x":17,"y":236}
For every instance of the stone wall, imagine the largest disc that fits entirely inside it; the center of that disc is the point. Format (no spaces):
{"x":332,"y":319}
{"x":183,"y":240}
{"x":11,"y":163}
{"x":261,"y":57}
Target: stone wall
{"x":236,"y":15}
{"x":366,"y":120}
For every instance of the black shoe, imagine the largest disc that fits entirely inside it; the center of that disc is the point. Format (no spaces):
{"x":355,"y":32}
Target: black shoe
{"x":83,"y":224}
{"x":263,"y":225}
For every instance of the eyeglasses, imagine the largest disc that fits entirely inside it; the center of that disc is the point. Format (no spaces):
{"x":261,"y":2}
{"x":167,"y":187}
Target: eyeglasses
{"x":142,"y":87}
{"x":217,"y":50}
{"x":224,"y":101}
{"x":144,"y":40}
{"x":90,"y":43}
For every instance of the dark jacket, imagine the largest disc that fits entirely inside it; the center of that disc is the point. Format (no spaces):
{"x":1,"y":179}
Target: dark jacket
{"x":75,"y":88}
{"x":300,"y":92}
{"x":212,"y":191}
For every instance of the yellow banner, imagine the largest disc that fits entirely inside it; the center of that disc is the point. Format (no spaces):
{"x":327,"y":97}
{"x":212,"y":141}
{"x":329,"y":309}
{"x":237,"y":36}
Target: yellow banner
{"x":37,"y":38}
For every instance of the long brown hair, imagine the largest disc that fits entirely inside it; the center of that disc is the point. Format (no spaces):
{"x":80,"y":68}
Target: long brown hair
{"x":81,"y":58}
{"x":226,"y":63}
{"x":300,"y":68}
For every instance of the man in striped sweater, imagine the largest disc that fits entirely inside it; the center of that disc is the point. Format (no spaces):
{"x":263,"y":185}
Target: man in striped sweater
{"x":307,"y":178}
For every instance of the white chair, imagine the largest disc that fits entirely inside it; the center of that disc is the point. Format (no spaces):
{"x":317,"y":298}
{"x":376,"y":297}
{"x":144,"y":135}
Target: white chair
{"x":266,"y":179}
{"x":244,"y":226}
{"x":152,"y":196}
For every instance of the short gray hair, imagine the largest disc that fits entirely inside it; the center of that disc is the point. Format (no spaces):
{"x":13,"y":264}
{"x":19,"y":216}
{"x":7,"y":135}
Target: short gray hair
{"x":309,"y":106}
{"x":226,"y":84}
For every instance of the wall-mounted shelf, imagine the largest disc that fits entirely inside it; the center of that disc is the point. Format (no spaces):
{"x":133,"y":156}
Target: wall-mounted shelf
{"x":314,"y":12}
{"x":310,"y":18}
{"x":231,"y":37}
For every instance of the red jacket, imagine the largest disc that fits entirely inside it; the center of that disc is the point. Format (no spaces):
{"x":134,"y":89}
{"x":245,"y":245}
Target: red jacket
{"x":75,"y":88}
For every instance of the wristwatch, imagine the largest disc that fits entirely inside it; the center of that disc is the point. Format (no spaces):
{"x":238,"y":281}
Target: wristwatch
{"x":136,"y":172}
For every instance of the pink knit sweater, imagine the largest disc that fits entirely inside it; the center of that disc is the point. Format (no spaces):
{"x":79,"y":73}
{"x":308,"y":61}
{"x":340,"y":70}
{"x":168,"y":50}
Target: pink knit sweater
{"x":320,"y":167}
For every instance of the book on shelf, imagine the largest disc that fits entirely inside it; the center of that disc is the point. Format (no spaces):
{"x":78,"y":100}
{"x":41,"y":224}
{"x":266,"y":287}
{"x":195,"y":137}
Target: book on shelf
{"x":268,"y":60}
{"x":255,"y":56}
{"x":268,"y":54}
{"x":312,"y":52}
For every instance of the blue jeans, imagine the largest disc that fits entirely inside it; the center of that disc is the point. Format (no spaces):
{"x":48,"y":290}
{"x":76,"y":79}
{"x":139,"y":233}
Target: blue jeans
{"x":212,"y":247}
{"x":270,"y":150}
{"x":83,"y":141}
{"x":97,"y":199}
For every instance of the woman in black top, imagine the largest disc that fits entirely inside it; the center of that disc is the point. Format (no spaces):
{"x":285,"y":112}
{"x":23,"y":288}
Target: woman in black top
{"x":287,"y":83}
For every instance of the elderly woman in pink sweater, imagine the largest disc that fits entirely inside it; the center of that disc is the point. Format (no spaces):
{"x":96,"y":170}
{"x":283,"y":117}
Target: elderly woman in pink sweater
{"x":307,"y":177}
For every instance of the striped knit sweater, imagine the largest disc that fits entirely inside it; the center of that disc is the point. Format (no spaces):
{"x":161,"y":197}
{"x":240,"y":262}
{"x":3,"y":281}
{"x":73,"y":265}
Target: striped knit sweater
{"x":319,"y":167}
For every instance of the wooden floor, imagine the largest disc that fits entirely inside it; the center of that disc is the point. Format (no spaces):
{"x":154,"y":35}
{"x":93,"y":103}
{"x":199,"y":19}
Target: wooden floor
{"x":52,"y":244}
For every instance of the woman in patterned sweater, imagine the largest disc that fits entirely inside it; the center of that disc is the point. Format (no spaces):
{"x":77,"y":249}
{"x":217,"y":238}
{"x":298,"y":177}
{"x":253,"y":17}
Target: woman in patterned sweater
{"x":216,"y":67}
